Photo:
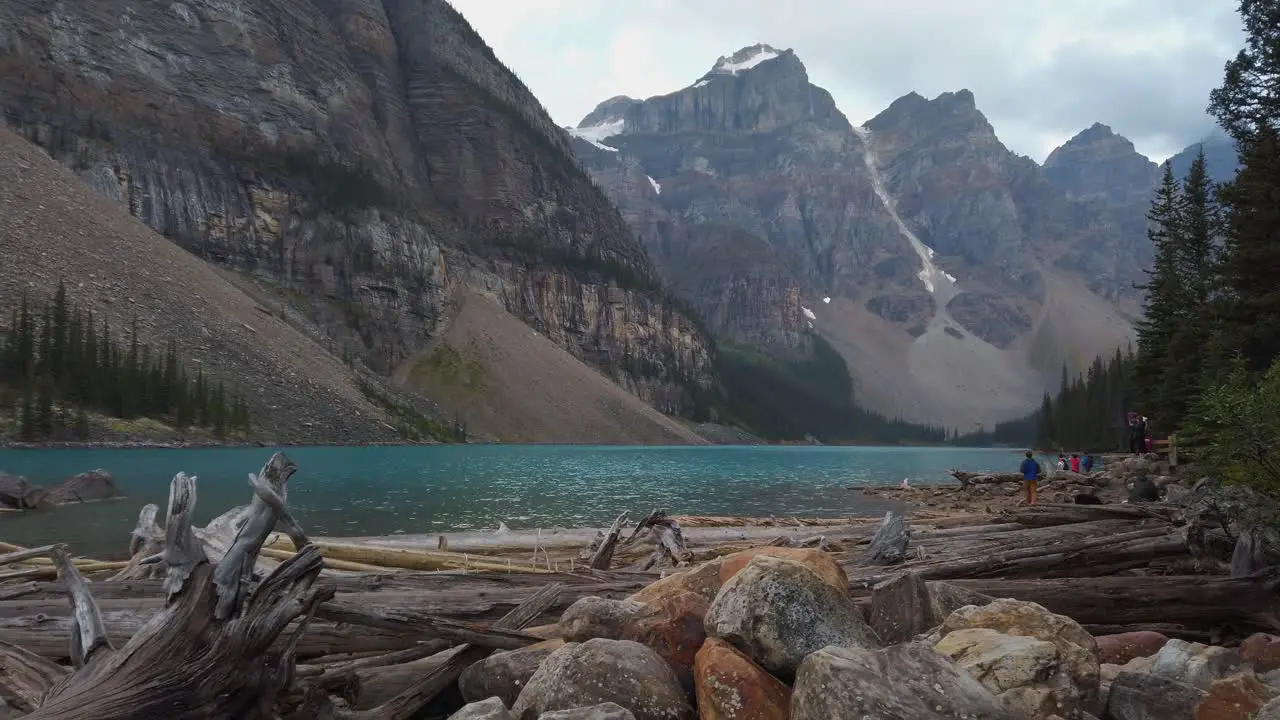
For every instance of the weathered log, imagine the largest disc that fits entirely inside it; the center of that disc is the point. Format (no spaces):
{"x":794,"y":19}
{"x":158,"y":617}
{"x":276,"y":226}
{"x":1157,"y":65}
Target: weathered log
{"x":967,"y":479}
{"x":1198,"y":603}
{"x":889,"y":544}
{"x":211,"y":653}
{"x":412,"y":700}
{"x":146,"y":540}
{"x":25,"y":677}
{"x":1050,"y":514}
{"x":602,"y":558}
{"x":669,"y":540}
{"x":405,"y":621}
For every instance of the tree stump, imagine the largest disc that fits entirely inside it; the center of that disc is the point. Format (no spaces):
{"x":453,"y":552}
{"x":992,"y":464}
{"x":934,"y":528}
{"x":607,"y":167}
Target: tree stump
{"x":889,"y":544}
{"x":213,"y":651}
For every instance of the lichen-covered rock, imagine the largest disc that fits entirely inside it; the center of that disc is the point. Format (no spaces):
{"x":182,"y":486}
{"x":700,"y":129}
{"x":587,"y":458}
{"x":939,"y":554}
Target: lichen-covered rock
{"x":906,"y":606}
{"x":778,"y":611}
{"x":703,"y":580}
{"x":731,"y":687}
{"x":1238,"y":697}
{"x":85,"y":487}
{"x":1069,"y":683}
{"x":1262,"y":651}
{"x":1017,"y":669}
{"x":816,"y":560}
{"x":597,"y":617}
{"x":1270,"y":711}
{"x":487,"y":709}
{"x":1195,"y":664}
{"x":502,"y":675}
{"x":908,"y":681}
{"x":600,"y":671}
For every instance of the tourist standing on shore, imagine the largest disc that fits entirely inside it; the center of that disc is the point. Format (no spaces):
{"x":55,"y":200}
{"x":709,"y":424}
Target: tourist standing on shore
{"x":1030,"y":476}
{"x":1075,"y":462}
{"x":1137,"y":434}
{"x":1088,"y":462}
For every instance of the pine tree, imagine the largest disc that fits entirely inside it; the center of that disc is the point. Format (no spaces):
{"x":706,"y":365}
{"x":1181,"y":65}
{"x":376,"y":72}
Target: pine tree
{"x":1249,"y":98}
{"x":1251,"y":322}
{"x":1165,"y":299}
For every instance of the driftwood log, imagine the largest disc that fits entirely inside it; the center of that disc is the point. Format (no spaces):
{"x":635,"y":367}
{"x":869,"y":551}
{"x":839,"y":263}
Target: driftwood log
{"x":968,"y":479}
{"x":665,"y":532}
{"x":212,"y":651}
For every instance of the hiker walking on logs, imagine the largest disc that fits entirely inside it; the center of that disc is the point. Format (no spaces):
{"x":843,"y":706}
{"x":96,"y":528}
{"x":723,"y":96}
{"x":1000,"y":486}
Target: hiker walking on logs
{"x":1030,"y":476}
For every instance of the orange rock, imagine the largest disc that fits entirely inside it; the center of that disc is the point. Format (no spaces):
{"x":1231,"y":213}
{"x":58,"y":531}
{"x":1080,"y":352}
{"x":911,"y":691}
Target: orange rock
{"x":1263,"y":651}
{"x":731,"y":687}
{"x":672,"y":627}
{"x":1121,"y":648}
{"x":703,"y":580}
{"x":816,"y":560}
{"x":1237,"y":697}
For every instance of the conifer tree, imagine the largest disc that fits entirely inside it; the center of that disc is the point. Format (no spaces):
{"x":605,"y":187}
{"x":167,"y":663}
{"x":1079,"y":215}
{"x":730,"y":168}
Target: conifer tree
{"x":1249,"y":98}
{"x":1164,"y":300}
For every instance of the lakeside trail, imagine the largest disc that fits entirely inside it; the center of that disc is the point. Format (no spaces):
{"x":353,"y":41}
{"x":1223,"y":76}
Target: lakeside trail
{"x":1119,"y":610}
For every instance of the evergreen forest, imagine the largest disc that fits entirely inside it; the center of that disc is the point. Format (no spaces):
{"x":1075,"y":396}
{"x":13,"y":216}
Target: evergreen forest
{"x":59,"y":365}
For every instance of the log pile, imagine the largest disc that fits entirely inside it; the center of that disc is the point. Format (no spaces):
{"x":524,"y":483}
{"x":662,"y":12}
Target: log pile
{"x":249,"y":617}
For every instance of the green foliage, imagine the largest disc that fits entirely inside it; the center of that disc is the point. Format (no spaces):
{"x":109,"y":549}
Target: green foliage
{"x":781,"y":400}
{"x":1234,"y":429}
{"x":1249,"y":98}
{"x":1089,"y":411}
{"x":63,"y":365}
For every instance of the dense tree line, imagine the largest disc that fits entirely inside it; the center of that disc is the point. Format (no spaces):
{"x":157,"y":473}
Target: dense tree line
{"x":801,"y":399}
{"x":58,"y":364}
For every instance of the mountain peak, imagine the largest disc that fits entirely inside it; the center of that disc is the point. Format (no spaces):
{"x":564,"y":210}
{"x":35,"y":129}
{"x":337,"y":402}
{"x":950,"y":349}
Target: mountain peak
{"x":1098,"y":163}
{"x":745,"y":59}
{"x":1096,"y":141}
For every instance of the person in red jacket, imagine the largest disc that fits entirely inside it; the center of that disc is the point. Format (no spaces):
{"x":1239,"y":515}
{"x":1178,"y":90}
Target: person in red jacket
{"x":1075,"y":462}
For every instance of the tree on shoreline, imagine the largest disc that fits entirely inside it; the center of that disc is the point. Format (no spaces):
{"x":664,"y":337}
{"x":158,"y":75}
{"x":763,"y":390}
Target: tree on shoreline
{"x":64,"y":365}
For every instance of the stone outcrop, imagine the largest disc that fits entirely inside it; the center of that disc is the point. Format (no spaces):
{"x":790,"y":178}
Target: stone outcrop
{"x":357,"y":161}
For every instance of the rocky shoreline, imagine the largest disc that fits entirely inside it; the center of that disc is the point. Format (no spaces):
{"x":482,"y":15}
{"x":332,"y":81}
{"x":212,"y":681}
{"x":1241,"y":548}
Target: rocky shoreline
{"x":969,"y":606}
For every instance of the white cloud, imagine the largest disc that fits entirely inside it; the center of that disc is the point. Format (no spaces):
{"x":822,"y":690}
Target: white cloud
{"x":1041,"y":69}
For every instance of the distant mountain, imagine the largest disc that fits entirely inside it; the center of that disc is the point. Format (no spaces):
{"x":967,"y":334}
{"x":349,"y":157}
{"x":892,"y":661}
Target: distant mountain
{"x":953,"y":277}
{"x":1099,"y":164}
{"x":1220,"y":156}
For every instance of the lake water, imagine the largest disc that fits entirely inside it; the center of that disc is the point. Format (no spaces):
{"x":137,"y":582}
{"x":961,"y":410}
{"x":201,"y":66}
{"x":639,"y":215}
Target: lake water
{"x":351,"y":491}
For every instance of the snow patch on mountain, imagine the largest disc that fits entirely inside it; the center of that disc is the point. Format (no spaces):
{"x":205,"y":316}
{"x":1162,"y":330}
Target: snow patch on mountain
{"x":597,"y":134}
{"x":656,"y":186}
{"x":744,"y":59}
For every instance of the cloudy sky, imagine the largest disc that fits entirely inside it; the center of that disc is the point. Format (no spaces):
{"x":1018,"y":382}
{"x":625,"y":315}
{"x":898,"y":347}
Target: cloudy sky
{"x":1041,"y":70}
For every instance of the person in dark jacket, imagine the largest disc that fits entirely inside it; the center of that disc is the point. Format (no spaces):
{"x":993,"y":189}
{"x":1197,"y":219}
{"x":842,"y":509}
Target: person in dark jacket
{"x":1030,"y":470}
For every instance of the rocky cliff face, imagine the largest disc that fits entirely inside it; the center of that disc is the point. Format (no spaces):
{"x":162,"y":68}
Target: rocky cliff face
{"x":918,"y":245}
{"x":364,"y":159}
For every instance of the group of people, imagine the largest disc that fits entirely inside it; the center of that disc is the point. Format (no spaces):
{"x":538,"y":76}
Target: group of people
{"x":1031,"y":471}
{"x":1139,"y":434}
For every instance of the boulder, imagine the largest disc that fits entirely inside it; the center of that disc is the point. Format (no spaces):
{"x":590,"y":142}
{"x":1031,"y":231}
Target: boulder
{"x":85,"y":487}
{"x":1069,"y":683}
{"x":16,"y":493}
{"x":816,"y":560}
{"x":489,"y":709}
{"x":1142,"y":696}
{"x":580,"y":675}
{"x":778,"y":611}
{"x":672,"y":627}
{"x":1121,"y":648}
{"x":1270,"y":711}
{"x":731,"y":687}
{"x":1195,"y":664}
{"x":1262,"y":651}
{"x":703,"y":580}
{"x":603,"y":711}
{"x":502,"y":675}
{"x":910,"y":680}
{"x":597,"y":617}
{"x":1021,"y":671}
{"x":1238,"y":697}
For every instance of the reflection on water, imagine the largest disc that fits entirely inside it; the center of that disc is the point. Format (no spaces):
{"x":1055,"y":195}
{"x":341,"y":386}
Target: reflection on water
{"x":380,"y":490}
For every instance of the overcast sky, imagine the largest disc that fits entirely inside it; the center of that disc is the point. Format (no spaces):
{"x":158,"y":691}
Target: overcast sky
{"x":1042,"y":70}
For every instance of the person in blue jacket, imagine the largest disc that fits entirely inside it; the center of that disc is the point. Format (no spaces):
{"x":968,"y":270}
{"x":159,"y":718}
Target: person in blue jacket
{"x":1030,"y":476}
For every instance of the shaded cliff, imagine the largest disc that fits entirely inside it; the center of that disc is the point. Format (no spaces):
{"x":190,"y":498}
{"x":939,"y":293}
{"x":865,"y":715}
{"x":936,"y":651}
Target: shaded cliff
{"x":363,"y":161}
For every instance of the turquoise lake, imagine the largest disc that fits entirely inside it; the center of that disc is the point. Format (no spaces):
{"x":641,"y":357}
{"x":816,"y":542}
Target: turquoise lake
{"x":351,"y":491}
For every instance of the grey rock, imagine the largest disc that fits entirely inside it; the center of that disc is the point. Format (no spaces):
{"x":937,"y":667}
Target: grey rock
{"x":906,"y":606}
{"x":777,"y":612}
{"x":909,"y":680}
{"x":604,"y":711}
{"x":1143,"y":696}
{"x":601,"y":671}
{"x":1195,"y":664}
{"x":85,"y":487}
{"x":502,"y":675}
{"x":889,"y":543}
{"x":597,"y":617}
{"x":490,"y":709}
{"x":1270,"y":711}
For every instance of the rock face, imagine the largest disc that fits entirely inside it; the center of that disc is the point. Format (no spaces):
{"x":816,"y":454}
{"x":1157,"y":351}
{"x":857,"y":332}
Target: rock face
{"x":776,"y":217}
{"x":778,"y":611}
{"x":1098,"y":164}
{"x":910,"y":680}
{"x":600,"y":671}
{"x":363,"y":159}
